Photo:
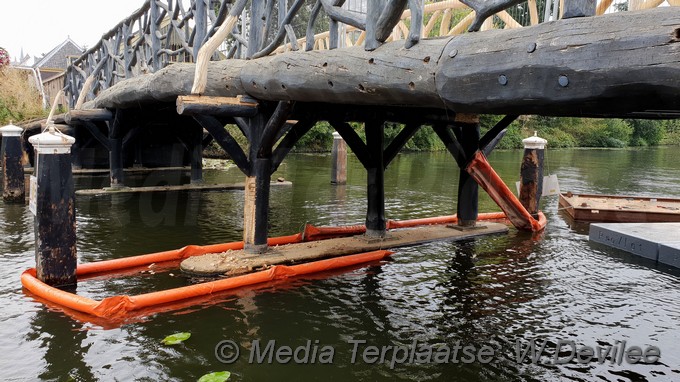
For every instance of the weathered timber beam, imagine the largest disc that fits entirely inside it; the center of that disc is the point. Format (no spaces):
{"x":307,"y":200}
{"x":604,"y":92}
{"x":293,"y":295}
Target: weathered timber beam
{"x":451,"y":144}
{"x":168,"y":83}
{"x":40,"y":123}
{"x":363,"y":113}
{"x":486,"y":8}
{"x":353,"y":141}
{"x":224,"y":106}
{"x":290,"y":139}
{"x":406,"y":133}
{"x":489,"y":141}
{"x":97,"y":134}
{"x":94,"y":115}
{"x":225,"y":140}
{"x":390,"y":75}
{"x":272,"y":128}
{"x":611,"y":65}
{"x":243,"y":125}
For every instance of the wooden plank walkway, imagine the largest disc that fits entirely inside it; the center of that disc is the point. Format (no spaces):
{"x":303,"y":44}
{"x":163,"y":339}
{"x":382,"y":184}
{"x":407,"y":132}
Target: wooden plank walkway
{"x":234,"y":263}
{"x":183,"y":187}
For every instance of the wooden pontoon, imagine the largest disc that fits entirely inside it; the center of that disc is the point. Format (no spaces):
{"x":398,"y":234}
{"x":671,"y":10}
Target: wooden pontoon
{"x":623,"y":209}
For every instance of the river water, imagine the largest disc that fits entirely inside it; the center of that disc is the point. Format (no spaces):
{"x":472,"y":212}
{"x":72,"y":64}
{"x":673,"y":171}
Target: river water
{"x":494,"y":293}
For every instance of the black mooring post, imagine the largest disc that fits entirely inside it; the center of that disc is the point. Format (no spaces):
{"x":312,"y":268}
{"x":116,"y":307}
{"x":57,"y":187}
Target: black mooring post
{"x":116,"y":153}
{"x":531,"y":174}
{"x":375,"y":213}
{"x":54,"y":203}
{"x":338,"y":160}
{"x":466,"y":129}
{"x":13,"y":190}
{"x":197,"y":155}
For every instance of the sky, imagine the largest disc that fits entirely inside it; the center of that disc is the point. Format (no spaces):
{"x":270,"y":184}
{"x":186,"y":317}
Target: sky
{"x":37,"y":26}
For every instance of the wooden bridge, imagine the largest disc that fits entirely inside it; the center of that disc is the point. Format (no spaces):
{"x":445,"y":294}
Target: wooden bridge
{"x":178,"y":73}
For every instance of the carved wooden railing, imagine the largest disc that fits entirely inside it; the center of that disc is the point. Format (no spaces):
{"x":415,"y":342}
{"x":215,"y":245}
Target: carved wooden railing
{"x":166,"y":31}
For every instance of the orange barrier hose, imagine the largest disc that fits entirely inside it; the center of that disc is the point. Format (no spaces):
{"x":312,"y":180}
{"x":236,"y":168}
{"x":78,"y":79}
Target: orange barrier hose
{"x":177,"y":254}
{"x":118,"y":307}
{"x":69,"y":300}
{"x":319,"y":233}
{"x":450,"y":219}
{"x":482,"y":172}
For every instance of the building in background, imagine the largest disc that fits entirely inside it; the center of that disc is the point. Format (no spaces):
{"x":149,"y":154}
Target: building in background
{"x":51,"y":67}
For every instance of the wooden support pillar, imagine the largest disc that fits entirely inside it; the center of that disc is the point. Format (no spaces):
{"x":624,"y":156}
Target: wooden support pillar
{"x":76,"y":155}
{"x":256,"y":203}
{"x":116,"y":151}
{"x":54,"y":209}
{"x":256,"y":37}
{"x":531,"y":174}
{"x":197,"y":156}
{"x":154,"y":14}
{"x":200,"y":28}
{"x":375,"y":214}
{"x":579,"y":8}
{"x":256,"y":207}
{"x":466,"y":129}
{"x":374,"y":9}
{"x":339,"y":160}
{"x":13,"y":190}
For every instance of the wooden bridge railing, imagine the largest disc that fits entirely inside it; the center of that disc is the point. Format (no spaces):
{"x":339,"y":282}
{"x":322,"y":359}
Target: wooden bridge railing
{"x":166,"y":31}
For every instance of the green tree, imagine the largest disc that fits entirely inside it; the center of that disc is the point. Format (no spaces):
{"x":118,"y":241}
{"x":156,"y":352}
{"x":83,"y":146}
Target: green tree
{"x":646,"y":132}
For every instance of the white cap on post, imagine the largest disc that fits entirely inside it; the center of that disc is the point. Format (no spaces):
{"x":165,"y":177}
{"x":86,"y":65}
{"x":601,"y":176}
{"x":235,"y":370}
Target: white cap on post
{"x":52,"y":142}
{"x":11,"y":130}
{"x":535,"y":142}
{"x":336,"y":135}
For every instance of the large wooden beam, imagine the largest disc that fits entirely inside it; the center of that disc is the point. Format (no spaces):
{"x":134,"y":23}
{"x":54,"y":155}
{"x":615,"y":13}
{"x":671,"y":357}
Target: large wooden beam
{"x":75,"y":116}
{"x":390,"y":75}
{"x":223,"y":106}
{"x":168,"y":83}
{"x":625,"y":64}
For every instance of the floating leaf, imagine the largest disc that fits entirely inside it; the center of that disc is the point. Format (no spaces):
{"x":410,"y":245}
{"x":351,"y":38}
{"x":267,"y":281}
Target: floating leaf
{"x":218,"y":376}
{"x":176,"y":338}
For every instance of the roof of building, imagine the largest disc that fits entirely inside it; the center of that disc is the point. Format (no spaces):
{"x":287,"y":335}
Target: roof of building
{"x":57,"y":58}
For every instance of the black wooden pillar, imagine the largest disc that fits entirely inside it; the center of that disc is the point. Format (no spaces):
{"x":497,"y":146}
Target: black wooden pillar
{"x":55,"y":222}
{"x":12,"y":169}
{"x":375,"y":214}
{"x":197,"y":155}
{"x":466,"y":129}
{"x":579,"y":8}
{"x":256,"y":203}
{"x":116,"y":150}
{"x":258,"y":19}
{"x":263,"y":130}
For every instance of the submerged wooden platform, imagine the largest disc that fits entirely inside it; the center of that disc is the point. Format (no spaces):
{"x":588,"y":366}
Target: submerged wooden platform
{"x":624,"y":209}
{"x":106,"y":171}
{"x":658,"y":242}
{"x":183,"y":187}
{"x":233,"y":263}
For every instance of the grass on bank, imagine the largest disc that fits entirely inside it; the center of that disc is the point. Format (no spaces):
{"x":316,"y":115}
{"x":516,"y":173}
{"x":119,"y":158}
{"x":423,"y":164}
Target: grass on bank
{"x":19,"y":99}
